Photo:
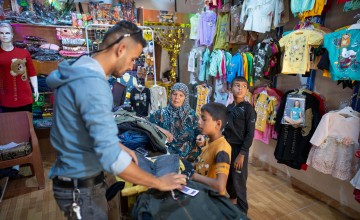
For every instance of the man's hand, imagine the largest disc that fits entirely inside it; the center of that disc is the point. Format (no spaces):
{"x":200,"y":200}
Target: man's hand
{"x":171,"y":181}
{"x":130,"y":152}
{"x":238,"y":163}
{"x":200,"y":140}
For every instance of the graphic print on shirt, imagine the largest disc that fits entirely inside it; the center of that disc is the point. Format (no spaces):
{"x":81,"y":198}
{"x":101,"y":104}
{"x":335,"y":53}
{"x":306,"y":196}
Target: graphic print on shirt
{"x":18,"y":67}
{"x":347,"y":53}
{"x":296,"y":52}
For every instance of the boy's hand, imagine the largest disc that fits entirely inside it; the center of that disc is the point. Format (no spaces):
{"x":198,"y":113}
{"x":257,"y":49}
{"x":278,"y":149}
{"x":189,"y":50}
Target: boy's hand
{"x":238,"y":163}
{"x":200,"y":140}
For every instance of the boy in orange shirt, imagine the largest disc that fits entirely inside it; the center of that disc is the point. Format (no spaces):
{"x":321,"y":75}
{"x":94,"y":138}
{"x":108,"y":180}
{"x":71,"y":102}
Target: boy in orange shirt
{"x":213,"y":164}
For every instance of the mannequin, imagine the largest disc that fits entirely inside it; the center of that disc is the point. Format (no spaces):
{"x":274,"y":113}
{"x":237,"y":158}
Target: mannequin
{"x":15,"y":68}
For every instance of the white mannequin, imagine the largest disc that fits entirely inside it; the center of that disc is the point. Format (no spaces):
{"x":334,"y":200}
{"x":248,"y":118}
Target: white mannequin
{"x":6,"y":37}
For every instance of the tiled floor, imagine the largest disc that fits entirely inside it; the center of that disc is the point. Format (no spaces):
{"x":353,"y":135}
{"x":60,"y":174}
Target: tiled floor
{"x":269,"y":196}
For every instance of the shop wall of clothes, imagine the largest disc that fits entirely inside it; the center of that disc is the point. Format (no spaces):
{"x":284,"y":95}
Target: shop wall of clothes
{"x":291,"y":55}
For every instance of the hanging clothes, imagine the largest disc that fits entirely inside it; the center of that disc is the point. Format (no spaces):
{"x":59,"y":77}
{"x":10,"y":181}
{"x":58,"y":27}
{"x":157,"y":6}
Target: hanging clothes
{"x":297,"y":44}
{"x":334,"y":147}
{"x":194,"y":61}
{"x":207,"y":27}
{"x":293,"y":143}
{"x":265,"y":107}
{"x":300,"y":6}
{"x":222,"y":28}
{"x":259,"y":15}
{"x":343,"y":47}
{"x":236,"y":67}
{"x":203,"y":97}
{"x":192,"y":86}
{"x":262,"y":54}
{"x":130,"y":82}
{"x":220,"y":95}
{"x":194,"y":22}
{"x":140,"y":100}
{"x":315,"y":11}
{"x":158,"y":97}
{"x":237,"y":34}
{"x":204,"y":67}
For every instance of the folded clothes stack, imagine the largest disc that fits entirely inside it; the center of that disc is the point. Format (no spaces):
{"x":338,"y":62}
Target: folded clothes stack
{"x":73,"y":43}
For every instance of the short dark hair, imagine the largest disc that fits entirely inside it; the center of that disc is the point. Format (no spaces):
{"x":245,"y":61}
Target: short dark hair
{"x":240,"y":79}
{"x":120,"y":29}
{"x":217,"y":111}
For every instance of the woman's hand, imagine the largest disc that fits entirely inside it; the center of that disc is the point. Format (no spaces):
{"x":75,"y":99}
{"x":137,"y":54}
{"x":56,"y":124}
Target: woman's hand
{"x":169,"y":136}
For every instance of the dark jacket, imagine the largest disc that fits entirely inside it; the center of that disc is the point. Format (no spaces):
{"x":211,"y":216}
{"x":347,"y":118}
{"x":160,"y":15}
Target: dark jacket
{"x":207,"y":204}
{"x":239,"y":131}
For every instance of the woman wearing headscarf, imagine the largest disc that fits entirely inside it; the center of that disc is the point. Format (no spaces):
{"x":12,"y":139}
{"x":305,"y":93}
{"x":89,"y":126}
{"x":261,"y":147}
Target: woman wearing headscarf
{"x":180,"y":123}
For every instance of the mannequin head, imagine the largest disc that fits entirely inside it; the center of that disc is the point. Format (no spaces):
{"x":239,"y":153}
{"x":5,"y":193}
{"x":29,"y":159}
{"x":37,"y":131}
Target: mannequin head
{"x":6,"y":33}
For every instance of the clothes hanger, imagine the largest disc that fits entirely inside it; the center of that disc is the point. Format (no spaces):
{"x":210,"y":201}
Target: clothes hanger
{"x":357,"y":24}
{"x":349,"y":111}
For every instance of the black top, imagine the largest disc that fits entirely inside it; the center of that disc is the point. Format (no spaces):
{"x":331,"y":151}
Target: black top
{"x":140,"y":101}
{"x":239,"y":131}
{"x":293,"y":143}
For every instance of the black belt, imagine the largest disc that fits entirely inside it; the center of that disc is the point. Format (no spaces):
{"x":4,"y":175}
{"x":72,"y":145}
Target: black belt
{"x":81,"y":183}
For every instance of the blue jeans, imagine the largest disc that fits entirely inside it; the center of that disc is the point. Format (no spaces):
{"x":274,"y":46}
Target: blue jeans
{"x":92,"y":201}
{"x":134,"y":139}
{"x":164,"y":164}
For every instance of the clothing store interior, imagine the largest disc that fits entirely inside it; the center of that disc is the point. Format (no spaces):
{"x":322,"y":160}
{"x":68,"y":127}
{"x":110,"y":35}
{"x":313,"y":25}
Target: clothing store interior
{"x":179,"y":109}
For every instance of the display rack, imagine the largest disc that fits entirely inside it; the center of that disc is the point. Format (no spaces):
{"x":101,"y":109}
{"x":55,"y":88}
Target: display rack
{"x":94,"y":34}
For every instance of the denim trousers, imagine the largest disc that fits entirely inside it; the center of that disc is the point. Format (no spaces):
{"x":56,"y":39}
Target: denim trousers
{"x":161,"y":165}
{"x":134,"y":139}
{"x":236,"y":184}
{"x":92,"y":202}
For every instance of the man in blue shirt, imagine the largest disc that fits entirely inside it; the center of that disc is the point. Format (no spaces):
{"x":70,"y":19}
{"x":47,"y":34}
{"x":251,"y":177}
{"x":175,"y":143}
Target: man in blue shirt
{"x":84,"y":131}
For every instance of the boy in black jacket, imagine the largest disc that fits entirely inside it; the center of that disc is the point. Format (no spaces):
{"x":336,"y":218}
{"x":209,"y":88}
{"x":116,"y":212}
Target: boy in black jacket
{"x":239,"y":133}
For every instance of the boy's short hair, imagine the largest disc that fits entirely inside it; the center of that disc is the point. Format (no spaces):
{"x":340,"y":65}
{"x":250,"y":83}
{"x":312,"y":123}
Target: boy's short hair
{"x":240,"y":79}
{"x":217,"y":111}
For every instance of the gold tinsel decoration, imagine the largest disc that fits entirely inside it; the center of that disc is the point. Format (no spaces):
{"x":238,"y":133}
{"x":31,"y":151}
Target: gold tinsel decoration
{"x":171,"y":39}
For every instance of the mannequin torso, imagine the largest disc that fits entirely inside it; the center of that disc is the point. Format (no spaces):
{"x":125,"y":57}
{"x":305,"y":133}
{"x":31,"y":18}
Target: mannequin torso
{"x":15,"y":68}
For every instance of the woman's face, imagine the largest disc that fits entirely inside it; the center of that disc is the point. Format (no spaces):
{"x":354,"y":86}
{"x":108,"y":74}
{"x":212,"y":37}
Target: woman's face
{"x":177,"y":98}
{"x":297,"y":103}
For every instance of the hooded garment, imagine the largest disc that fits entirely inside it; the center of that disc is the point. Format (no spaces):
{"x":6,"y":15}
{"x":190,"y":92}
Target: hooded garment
{"x":84,"y":131}
{"x":182,"y":123}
